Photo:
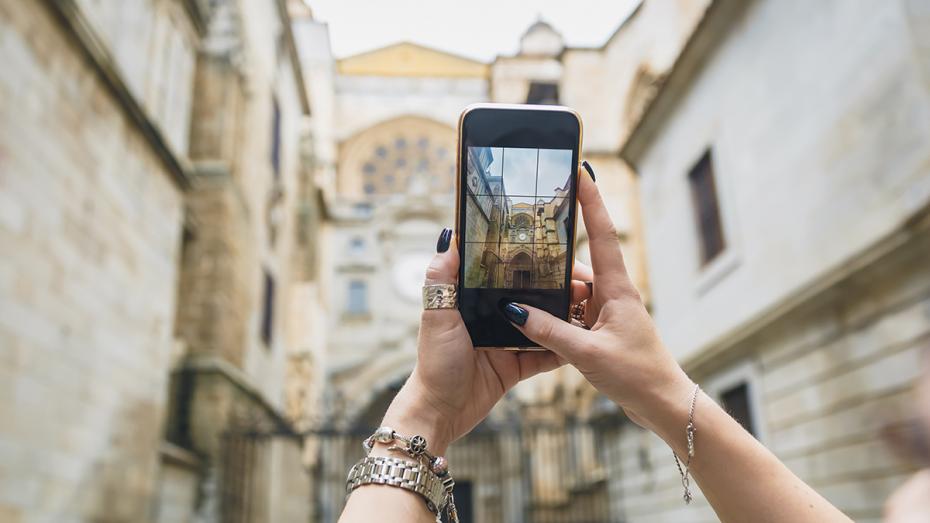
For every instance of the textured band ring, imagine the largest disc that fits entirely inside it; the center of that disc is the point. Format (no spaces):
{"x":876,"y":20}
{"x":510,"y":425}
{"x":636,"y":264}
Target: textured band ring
{"x":440,"y":296}
{"x":577,"y":313}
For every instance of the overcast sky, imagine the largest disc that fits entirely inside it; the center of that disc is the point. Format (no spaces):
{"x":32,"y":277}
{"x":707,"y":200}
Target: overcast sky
{"x":479,"y":29}
{"x":520,"y":171}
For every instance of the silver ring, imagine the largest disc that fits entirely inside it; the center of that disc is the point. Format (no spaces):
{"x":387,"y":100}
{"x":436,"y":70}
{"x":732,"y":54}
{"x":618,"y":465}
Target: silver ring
{"x":578,"y":313}
{"x":440,"y":296}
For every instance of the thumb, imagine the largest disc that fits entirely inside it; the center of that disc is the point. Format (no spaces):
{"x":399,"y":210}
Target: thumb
{"x":548,"y":331}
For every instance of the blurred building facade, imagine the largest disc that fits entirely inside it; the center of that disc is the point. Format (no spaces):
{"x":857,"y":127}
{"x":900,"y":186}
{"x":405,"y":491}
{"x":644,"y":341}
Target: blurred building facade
{"x":784,"y":171}
{"x":392,"y":185}
{"x":197,"y":268}
{"x":388,"y":189}
{"x":157,"y":238}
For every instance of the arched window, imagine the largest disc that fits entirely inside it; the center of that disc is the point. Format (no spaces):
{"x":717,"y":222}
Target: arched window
{"x":522,"y":221}
{"x":388,"y":154}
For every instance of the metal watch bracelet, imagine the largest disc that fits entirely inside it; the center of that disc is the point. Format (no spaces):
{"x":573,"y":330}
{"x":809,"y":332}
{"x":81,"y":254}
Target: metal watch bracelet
{"x":409,"y":475}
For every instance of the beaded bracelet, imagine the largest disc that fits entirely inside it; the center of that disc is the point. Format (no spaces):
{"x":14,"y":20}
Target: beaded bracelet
{"x":415,"y":447}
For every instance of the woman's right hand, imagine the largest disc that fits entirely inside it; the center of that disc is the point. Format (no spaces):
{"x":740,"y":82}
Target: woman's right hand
{"x":623,"y":357}
{"x":622,"y":354}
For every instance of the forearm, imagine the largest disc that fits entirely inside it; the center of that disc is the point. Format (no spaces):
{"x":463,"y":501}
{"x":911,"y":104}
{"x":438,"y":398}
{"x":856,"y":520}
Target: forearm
{"x":742,"y":480}
{"x":395,"y":504}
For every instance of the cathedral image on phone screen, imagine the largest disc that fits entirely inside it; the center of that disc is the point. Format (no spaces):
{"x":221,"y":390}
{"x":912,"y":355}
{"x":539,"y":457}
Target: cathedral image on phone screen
{"x":517,"y":217}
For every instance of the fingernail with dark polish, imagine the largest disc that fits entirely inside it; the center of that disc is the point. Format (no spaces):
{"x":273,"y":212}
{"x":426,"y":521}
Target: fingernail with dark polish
{"x":445,"y":237}
{"x":587,"y":167}
{"x":515,"y":313}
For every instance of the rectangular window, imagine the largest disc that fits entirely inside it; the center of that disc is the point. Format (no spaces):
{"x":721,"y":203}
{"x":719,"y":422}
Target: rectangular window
{"x":543,"y":93}
{"x":276,"y":138}
{"x":267,"y":327}
{"x":737,"y":402}
{"x":706,"y":208}
{"x":358,"y":298}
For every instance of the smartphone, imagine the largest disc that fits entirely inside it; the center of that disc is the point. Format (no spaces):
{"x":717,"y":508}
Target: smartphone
{"x":516,"y":209}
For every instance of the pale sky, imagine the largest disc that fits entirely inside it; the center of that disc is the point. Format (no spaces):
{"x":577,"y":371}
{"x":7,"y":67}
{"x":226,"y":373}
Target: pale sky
{"x":520,"y":171}
{"x":479,"y":29}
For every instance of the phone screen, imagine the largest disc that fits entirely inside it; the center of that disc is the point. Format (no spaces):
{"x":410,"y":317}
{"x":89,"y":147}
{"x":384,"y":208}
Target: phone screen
{"x":516,"y":218}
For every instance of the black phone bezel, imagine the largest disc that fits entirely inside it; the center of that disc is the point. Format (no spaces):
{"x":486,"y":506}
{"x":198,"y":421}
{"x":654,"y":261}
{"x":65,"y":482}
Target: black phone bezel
{"x":509,"y":126}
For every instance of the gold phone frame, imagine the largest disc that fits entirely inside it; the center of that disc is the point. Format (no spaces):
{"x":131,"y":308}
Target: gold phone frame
{"x":458,"y":187}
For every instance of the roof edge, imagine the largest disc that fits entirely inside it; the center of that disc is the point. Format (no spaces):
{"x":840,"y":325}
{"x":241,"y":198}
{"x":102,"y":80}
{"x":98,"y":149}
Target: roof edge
{"x":294,"y":53}
{"x":711,"y":30}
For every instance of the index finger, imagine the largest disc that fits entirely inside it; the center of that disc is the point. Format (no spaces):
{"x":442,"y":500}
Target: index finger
{"x":604,"y":244}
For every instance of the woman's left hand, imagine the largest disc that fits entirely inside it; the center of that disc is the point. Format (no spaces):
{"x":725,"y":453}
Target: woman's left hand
{"x":453,"y":386}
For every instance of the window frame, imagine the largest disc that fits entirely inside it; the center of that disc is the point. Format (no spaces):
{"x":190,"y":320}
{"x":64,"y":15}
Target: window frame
{"x":349,"y":309}
{"x":266,"y":327}
{"x":708,"y":275}
{"x":276,"y":146}
{"x":701,"y":206}
{"x":541,"y":92}
{"x":745,"y":371}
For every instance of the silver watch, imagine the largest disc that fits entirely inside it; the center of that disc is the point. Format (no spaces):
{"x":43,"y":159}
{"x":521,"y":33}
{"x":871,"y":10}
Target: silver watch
{"x":410,"y":475}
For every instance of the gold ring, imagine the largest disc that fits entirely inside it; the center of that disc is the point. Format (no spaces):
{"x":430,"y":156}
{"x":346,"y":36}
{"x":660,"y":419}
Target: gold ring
{"x":577,"y":313}
{"x":440,"y":296}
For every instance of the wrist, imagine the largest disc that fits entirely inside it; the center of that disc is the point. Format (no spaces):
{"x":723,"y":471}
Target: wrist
{"x":410,"y":414}
{"x":667,"y":408}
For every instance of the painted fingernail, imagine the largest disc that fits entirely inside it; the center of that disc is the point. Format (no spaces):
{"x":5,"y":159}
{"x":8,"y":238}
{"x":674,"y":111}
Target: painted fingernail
{"x":515,"y":313}
{"x":445,"y":237}
{"x":587,"y":167}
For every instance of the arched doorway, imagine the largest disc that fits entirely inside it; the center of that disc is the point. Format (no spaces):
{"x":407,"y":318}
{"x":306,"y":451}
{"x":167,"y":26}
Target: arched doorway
{"x":520,"y":271}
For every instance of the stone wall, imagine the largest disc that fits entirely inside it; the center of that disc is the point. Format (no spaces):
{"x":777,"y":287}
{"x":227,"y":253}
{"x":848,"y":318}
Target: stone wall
{"x":153,"y":43}
{"x":820,"y":302}
{"x":364,"y":101}
{"x":816,"y":156}
{"x":90,"y":222}
{"x":829,"y":378}
{"x":178,"y":486}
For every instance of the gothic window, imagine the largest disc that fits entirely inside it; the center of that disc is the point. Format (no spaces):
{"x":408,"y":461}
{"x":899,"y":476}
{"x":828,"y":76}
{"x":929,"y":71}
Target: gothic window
{"x":706,"y":208}
{"x":522,"y":221}
{"x":391,"y":163}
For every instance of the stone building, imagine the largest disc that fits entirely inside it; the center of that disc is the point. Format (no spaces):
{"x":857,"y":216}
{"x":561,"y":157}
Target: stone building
{"x":784,"y":170}
{"x":156,"y":219}
{"x":390,"y":188}
{"x":388,"y":183}
{"x":512,"y":241}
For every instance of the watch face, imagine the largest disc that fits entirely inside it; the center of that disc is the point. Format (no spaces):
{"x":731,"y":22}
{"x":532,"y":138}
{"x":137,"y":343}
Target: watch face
{"x":408,"y":274}
{"x":522,"y":236}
